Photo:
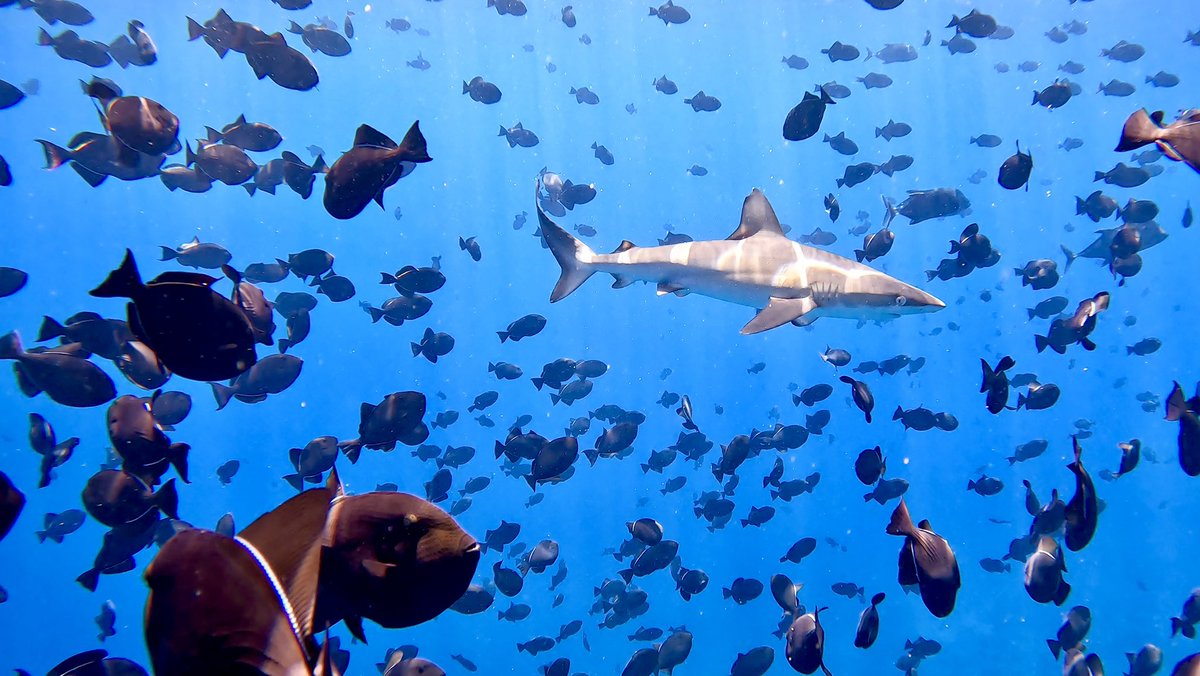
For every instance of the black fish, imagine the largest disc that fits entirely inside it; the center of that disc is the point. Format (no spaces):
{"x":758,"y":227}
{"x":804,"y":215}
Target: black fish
{"x":12,"y":501}
{"x":65,"y":377}
{"x":213,"y":609}
{"x":701,"y":102}
{"x":995,"y":384}
{"x":194,"y":331}
{"x":840,"y":52}
{"x":138,"y":439}
{"x":1043,"y":574}
{"x":1053,"y":96}
{"x":272,"y":375}
{"x":1082,"y":508}
{"x":806,"y":644}
{"x":526,"y":327}
{"x":1014,"y":173}
{"x":670,"y":13}
{"x":373,"y":165}
{"x":1185,"y":412}
{"x":868,"y":623}
{"x":926,"y":560}
{"x":861,"y":394}
{"x":433,"y":345}
{"x":804,"y":119}
{"x":117,"y":498}
{"x":396,"y":419}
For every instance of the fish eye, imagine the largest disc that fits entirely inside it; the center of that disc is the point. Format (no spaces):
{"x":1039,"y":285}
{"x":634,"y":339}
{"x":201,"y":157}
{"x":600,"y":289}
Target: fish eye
{"x":901,"y":300}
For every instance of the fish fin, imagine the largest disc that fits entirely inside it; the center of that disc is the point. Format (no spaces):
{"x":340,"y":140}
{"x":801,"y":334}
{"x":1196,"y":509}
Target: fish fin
{"x":412,"y":147}
{"x":1138,"y":131}
{"x":757,"y":216}
{"x":222,"y":393}
{"x":123,"y":282}
{"x":289,"y":539}
{"x":901,"y":523}
{"x":366,"y":135}
{"x":665,"y":288}
{"x":573,"y":256}
{"x":167,"y":499}
{"x":778,"y":312}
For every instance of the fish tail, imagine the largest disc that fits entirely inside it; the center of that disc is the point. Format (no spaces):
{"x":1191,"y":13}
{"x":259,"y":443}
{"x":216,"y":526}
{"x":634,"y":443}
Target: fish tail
{"x":573,"y":256}
{"x":413,"y":148}
{"x":901,"y":523}
{"x":503,"y":335}
{"x":1055,"y":647}
{"x":123,"y":282}
{"x":41,"y":536}
{"x":1139,"y":130}
{"x":56,"y":156}
{"x":167,"y":499}
{"x":168,"y":254}
{"x":295,"y":480}
{"x":89,"y":579}
{"x":222,"y":393}
{"x":376,"y":314}
{"x":195,"y":30}
{"x":44,"y":38}
{"x":284,"y":344}
{"x":177,"y":455}
{"x":1176,"y":624}
{"x":351,"y":449}
{"x":50,"y":329}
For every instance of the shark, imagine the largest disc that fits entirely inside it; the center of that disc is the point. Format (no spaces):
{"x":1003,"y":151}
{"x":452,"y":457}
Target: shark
{"x":756,"y":266}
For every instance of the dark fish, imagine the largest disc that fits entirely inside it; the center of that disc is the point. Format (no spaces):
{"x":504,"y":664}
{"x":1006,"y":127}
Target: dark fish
{"x":1014,"y":173}
{"x":117,"y":498}
{"x":510,"y":7}
{"x":58,"y":526}
{"x":1075,"y":329}
{"x":839,"y":143}
{"x":806,"y":643}
{"x":54,"y":11}
{"x":194,"y":331}
{"x":893,"y":130}
{"x":1082,"y":508}
{"x":585,"y":95}
{"x":1072,"y":632}
{"x":924,"y":205}
{"x":418,"y":63}
{"x":519,"y":136}
{"x":225,"y":163}
{"x":926,"y":560}
{"x":481,"y":90}
{"x":986,"y":140}
{"x":799,"y":550}
{"x":196,"y":254}
{"x":603,"y":154}
{"x":697,"y":170}
{"x":1043,"y":574}
{"x":995,"y":384}
{"x":255,"y":137}
{"x":861,"y":394}
{"x":1162,"y":79}
{"x":568,"y":19}
{"x":1097,"y":206}
{"x":369,"y":168}
{"x":227,"y":471}
{"x":139,"y":440}
{"x":670,"y":13}
{"x":795,"y":62}
{"x":894,"y":53}
{"x":868,"y":624}
{"x":856,"y":173}
{"x":471,"y":246}
{"x":875,"y":245}
{"x":179,"y":177}
{"x":960,"y":44}
{"x":321,"y":39}
{"x":804,"y":120}
{"x":66,"y":378}
{"x":875,"y":81}
{"x":1053,"y":96}
{"x":896,"y":163}
{"x":240,"y":624}
{"x":71,"y":47}
{"x":526,"y":327}
{"x":976,"y":24}
{"x":701,"y":102}
{"x":1116,"y":88}
{"x":1124,"y":52}
{"x":433,"y":345}
{"x":396,"y":419}
{"x":840,"y":52}
{"x":870,"y":465}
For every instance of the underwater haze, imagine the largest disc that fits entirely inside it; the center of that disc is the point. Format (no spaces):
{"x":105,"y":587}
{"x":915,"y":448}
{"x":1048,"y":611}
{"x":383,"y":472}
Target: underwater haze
{"x":1086,"y":299}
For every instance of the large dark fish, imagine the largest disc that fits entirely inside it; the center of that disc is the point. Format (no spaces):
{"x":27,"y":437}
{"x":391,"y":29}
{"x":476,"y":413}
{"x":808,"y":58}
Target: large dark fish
{"x":370,"y":167}
{"x":213,"y":609}
{"x":804,"y":120}
{"x":142,"y":124}
{"x":66,"y":378}
{"x":1185,"y":412}
{"x":1083,"y":508}
{"x":927,"y":561}
{"x":196,"y":332}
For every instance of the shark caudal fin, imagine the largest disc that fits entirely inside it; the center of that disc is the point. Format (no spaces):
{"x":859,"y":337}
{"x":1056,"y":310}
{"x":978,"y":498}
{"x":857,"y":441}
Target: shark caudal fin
{"x":573,"y":256}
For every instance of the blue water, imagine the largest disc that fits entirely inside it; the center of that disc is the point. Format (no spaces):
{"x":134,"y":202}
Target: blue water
{"x":1134,"y":575}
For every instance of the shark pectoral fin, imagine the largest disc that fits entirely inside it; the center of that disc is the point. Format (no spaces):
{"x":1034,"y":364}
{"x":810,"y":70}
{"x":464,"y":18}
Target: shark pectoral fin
{"x":779,"y":312}
{"x":668,"y":287}
{"x":620,"y":282}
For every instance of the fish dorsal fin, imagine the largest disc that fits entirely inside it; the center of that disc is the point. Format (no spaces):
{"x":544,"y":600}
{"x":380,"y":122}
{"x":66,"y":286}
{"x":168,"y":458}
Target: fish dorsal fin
{"x":83,"y":659}
{"x":289,"y":538}
{"x":625,"y":245}
{"x":925,"y":525}
{"x":334,"y":484}
{"x":370,"y":136}
{"x":757,"y":217}
{"x":181,"y":277}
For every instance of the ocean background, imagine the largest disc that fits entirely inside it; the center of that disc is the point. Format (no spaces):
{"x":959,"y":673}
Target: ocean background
{"x":1133,"y":576}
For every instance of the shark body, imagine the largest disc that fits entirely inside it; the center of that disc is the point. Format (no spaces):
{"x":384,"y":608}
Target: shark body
{"x":756,"y":266}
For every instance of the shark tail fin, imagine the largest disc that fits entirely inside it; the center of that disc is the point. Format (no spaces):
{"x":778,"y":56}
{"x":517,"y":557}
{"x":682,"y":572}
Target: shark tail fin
{"x":573,"y":256}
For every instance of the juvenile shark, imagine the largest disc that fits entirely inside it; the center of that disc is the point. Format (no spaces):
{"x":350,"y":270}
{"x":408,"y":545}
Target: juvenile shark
{"x":757,"y":266}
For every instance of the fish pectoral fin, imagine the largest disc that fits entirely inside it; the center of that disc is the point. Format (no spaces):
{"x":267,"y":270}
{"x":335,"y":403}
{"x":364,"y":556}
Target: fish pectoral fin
{"x":778,"y":312}
{"x":669,"y":287}
{"x":620,"y":282}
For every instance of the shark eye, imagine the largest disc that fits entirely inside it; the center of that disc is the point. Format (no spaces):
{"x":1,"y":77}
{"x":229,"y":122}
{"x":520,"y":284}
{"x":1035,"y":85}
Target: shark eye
{"x":901,"y":300}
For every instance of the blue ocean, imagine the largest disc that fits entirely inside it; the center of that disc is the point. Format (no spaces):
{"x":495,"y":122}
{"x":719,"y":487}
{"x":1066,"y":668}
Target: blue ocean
{"x":1087,"y":294}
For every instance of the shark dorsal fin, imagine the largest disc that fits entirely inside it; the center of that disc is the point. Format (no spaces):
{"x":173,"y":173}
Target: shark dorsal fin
{"x":757,"y":217}
{"x":625,"y":245}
